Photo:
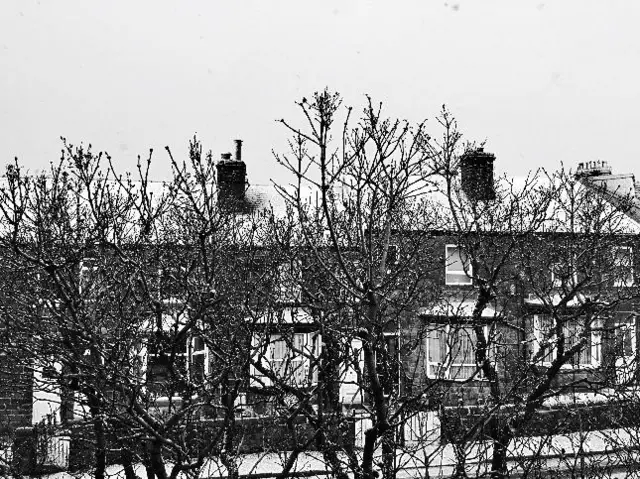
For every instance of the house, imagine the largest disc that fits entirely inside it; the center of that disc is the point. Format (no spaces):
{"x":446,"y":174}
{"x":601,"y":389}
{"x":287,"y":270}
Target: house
{"x":489,"y":329}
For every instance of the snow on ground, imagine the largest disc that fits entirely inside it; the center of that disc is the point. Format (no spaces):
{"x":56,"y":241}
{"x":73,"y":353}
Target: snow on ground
{"x":557,"y":452}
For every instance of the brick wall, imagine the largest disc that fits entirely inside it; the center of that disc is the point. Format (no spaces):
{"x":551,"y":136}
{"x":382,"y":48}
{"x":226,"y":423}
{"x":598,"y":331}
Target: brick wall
{"x":16,"y":394}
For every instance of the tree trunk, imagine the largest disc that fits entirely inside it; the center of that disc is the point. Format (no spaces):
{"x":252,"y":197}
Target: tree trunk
{"x":370,"y":437}
{"x":101,"y":443}
{"x":228,"y":456}
{"x":127,"y":463}
{"x":156,"y":461}
{"x":499,"y":459}
{"x":388,"y":455}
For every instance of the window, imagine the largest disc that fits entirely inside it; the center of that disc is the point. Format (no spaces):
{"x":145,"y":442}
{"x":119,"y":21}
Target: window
{"x":563,"y":275}
{"x":451,"y":352}
{"x":288,"y":359}
{"x":198,"y":367}
{"x":458,"y":269}
{"x":165,"y":365}
{"x":88,"y":278}
{"x":622,"y":266}
{"x":290,"y":282}
{"x":556,"y":276}
{"x":625,"y":338}
{"x":546,"y":341}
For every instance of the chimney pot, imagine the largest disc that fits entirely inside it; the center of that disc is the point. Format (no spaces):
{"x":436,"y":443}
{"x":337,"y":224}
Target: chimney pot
{"x":238,"y":150}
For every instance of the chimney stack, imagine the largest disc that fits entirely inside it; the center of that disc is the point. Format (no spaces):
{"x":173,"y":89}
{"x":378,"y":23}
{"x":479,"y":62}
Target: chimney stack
{"x":232,"y":179}
{"x":589,"y":169}
{"x":476,"y":168}
{"x":238,"y":150}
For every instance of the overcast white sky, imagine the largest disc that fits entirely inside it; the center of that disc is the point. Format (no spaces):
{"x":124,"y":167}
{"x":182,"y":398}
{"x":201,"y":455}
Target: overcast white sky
{"x":542,"y":82}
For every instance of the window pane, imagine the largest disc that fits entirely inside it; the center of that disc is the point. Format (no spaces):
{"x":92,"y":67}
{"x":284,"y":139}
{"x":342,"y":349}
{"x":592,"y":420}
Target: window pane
{"x":198,"y":344}
{"x":546,"y":334}
{"x":454,"y":261}
{"x":435,"y":346}
{"x":623,"y":266}
{"x":197,"y":367}
{"x":462,"y":372}
{"x":623,"y":340}
{"x":457,"y":267}
{"x":279,"y":350}
{"x":462,"y":350}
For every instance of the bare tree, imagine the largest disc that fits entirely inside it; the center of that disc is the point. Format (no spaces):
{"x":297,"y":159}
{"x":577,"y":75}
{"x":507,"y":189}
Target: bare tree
{"x":126,"y":285}
{"x":547,"y":271}
{"x":365,"y":229}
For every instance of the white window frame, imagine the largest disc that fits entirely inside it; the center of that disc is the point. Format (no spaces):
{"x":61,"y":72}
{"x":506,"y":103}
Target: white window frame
{"x":294,"y":366}
{"x":595,"y":344}
{"x":443,"y":368}
{"x":618,"y":281}
{"x":626,"y":326}
{"x":465,"y":277}
{"x":204,"y":352}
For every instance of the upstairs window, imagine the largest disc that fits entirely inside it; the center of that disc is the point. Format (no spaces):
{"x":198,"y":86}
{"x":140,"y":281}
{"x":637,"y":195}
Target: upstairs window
{"x":290,"y":282}
{"x":88,"y":279}
{"x":173,"y":279}
{"x":458,"y":268}
{"x":563,"y":275}
{"x":622,"y":266}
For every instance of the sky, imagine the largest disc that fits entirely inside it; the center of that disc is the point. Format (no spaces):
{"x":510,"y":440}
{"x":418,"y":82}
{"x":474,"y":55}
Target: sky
{"x":541,"y":82}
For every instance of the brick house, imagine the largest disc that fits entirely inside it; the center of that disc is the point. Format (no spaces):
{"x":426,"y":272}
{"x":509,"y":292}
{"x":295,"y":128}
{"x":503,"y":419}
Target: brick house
{"x":523,"y":322}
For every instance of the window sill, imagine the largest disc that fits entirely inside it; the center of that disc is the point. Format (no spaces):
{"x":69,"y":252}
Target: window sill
{"x":477,"y":377}
{"x":571,"y":367}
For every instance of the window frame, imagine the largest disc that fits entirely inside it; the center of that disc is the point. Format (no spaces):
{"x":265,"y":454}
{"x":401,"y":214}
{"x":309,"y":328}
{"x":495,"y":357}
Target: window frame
{"x":467,"y":270}
{"x":193,"y":352}
{"x":154,"y":353}
{"x":595,"y":343}
{"x":292,"y":367}
{"x":445,"y":373}
{"x":629,"y":281}
{"x":289,"y":277}
{"x":626,"y":325}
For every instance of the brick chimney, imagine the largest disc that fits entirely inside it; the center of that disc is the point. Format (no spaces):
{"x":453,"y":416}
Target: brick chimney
{"x":232,"y":179}
{"x":476,"y":169}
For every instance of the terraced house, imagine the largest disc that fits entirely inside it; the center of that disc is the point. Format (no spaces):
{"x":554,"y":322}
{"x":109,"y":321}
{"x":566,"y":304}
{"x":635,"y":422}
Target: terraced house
{"x":205,"y":323}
